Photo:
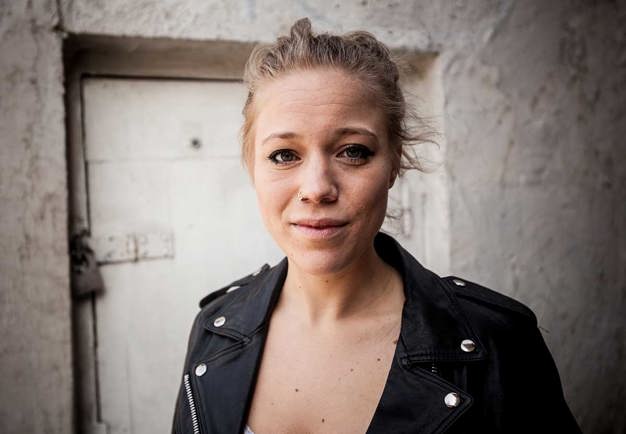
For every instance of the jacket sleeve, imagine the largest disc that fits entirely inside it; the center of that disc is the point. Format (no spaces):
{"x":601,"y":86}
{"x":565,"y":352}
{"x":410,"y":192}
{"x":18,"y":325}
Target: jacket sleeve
{"x":531,"y":397}
{"x":517,"y":388}
{"x":553,"y":405}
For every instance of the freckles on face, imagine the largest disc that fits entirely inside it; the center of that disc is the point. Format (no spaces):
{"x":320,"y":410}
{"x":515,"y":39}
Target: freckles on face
{"x":321,"y":166}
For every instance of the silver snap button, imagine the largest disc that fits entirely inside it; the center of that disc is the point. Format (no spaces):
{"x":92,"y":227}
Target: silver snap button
{"x":219,"y":321}
{"x":200,"y":370}
{"x":232,"y":288}
{"x":458,"y":282}
{"x":468,"y":345}
{"x":452,"y":399}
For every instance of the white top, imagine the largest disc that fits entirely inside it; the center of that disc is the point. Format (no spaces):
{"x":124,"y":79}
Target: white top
{"x":247,"y":430}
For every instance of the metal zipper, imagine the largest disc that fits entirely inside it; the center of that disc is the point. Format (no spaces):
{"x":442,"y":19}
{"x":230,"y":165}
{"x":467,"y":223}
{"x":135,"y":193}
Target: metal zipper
{"x":433,"y":369}
{"x":192,"y":405}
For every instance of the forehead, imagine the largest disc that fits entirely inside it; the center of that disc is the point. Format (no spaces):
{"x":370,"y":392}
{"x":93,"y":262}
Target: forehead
{"x":312,"y":101}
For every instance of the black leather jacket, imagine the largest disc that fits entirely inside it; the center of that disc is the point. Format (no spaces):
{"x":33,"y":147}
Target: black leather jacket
{"x":469,"y":360}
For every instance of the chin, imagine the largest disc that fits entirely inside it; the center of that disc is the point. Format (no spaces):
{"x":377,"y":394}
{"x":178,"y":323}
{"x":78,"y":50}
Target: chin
{"x":318,"y":262}
{"x":326,"y":256}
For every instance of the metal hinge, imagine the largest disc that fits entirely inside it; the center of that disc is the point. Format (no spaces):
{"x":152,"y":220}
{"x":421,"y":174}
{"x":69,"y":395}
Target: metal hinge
{"x":133,"y":247}
{"x":86,"y":277}
{"x":88,"y":253}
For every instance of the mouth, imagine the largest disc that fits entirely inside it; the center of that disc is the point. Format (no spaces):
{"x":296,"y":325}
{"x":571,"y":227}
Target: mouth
{"x":320,"y":223}
{"x":319,"y":228}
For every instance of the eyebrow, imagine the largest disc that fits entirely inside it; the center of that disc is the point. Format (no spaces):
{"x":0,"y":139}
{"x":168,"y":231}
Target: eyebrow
{"x":285,"y":135}
{"x":355,"y":130}
{"x":340,"y":132}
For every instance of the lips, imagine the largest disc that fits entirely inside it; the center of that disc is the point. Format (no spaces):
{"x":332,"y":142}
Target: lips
{"x":319,"y":228}
{"x":320,"y":223}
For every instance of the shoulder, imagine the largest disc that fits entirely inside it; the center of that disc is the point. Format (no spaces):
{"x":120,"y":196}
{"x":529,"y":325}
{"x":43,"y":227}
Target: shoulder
{"x":479,"y":301}
{"x":221,"y":295}
{"x":519,"y":364}
{"x":506,"y":327}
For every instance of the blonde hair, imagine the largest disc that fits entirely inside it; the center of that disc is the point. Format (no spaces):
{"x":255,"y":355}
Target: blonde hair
{"x":358,"y":53}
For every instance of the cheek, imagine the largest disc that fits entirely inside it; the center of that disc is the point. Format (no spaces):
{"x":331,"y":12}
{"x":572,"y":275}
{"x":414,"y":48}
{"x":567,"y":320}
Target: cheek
{"x":273,"y":195}
{"x":264,"y":197}
{"x":267,"y":209}
{"x":370,"y":195}
{"x":378,"y":200}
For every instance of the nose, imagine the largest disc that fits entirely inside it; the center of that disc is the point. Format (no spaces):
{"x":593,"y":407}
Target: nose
{"x":318,"y":183}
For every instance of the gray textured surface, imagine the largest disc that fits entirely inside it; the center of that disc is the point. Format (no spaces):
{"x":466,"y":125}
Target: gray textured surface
{"x":535,"y":120}
{"x":539,"y":183}
{"x":35,"y":342}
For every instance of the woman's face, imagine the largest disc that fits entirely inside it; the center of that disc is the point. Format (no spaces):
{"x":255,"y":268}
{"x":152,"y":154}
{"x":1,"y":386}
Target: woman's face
{"x":322,"y":167}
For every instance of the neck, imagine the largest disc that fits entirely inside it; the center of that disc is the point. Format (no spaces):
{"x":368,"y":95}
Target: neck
{"x":367,"y":287}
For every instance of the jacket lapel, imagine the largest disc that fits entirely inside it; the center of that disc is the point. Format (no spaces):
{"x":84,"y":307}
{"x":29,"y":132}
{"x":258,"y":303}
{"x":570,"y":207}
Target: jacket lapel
{"x":433,"y":326}
{"x":413,"y":402}
{"x":414,"y":398}
{"x":233,"y":353}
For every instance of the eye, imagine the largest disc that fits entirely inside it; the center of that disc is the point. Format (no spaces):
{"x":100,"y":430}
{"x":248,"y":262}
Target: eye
{"x":356,"y":154}
{"x":282,"y":156}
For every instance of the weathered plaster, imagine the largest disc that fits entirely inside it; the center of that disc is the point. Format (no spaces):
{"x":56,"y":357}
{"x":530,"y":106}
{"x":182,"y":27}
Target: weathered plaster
{"x":535,"y":120}
{"x":35,"y":349}
{"x":538,"y":189}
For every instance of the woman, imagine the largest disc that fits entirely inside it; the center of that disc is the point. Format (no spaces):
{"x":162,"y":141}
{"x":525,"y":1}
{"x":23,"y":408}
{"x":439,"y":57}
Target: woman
{"x":349,"y":333}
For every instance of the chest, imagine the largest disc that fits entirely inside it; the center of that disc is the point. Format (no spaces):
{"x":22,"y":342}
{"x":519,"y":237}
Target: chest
{"x":322,"y":382}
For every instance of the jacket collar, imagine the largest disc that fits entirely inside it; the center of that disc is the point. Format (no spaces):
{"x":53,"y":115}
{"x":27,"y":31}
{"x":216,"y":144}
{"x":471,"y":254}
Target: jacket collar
{"x":433,"y":326}
{"x":251,"y":309}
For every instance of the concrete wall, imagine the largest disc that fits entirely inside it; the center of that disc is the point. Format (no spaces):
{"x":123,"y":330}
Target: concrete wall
{"x":534,"y":117}
{"x":537,"y":120}
{"x":35,"y":333}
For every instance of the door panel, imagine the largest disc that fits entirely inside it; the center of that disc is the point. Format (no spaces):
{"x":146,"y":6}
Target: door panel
{"x":170,"y":112}
{"x":147,"y":175}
